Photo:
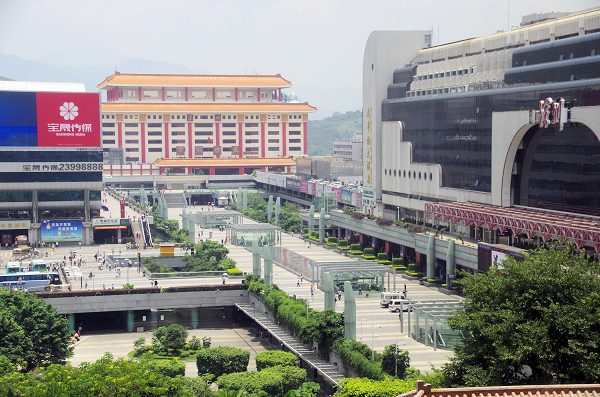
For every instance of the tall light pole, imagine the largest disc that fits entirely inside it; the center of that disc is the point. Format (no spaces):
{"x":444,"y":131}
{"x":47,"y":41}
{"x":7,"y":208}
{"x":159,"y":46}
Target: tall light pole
{"x":396,"y":357}
{"x":373,"y":340}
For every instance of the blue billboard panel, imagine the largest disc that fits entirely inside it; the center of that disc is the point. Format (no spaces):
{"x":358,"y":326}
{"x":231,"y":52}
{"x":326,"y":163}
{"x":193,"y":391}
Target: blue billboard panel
{"x":18,"y":119}
{"x":62,"y":230}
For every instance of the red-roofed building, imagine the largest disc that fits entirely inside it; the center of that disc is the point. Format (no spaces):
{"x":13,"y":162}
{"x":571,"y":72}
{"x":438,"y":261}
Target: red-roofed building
{"x":148,"y":117}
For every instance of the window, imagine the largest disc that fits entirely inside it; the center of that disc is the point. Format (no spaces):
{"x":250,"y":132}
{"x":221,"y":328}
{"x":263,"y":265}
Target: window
{"x":295,"y":132}
{"x":404,"y":174}
{"x":108,"y":141}
{"x":133,"y":159}
{"x":154,"y":125}
{"x":155,"y":141}
{"x":203,"y":133}
{"x":108,"y":133}
{"x":132,"y":141}
{"x":195,"y":94}
{"x":251,"y":141}
{"x":155,"y":149}
{"x":273,"y":148}
{"x":394,"y":172}
{"x":154,"y":133}
{"x":151,"y":93}
{"x":131,"y":149}
{"x":385,"y":172}
{"x":251,"y":133}
{"x":225,"y":125}
{"x":273,"y":140}
{"x":294,"y":125}
{"x":295,"y":140}
{"x":273,"y":133}
{"x":202,"y":141}
{"x":295,"y":148}
{"x":178,"y":133}
{"x":108,"y":125}
{"x":229,"y":140}
{"x":174,"y":94}
{"x":177,"y":125}
{"x":131,"y":125}
{"x":229,"y":133}
{"x":250,"y":125}
{"x":273,"y":124}
{"x":203,"y":125}
{"x":178,"y":141}
{"x":251,"y":149}
{"x":131,"y":133}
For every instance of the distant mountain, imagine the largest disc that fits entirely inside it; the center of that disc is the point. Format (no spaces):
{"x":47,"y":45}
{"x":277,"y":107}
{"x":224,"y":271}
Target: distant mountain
{"x":2,"y":78}
{"x":16,"y":68}
{"x":338,"y":127}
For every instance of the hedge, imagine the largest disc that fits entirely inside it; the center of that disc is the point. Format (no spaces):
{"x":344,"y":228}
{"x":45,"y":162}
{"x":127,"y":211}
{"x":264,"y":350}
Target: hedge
{"x":356,"y":356}
{"x":369,"y":251}
{"x":355,"y":247}
{"x":382,"y":256}
{"x":342,"y":243}
{"x":397,"y":261}
{"x":234,"y":271}
{"x":171,"y":368}
{"x":361,"y":387}
{"x":273,"y":358}
{"x":332,"y":240}
{"x":274,"y":381}
{"x":368,"y":257}
{"x":222,"y":360}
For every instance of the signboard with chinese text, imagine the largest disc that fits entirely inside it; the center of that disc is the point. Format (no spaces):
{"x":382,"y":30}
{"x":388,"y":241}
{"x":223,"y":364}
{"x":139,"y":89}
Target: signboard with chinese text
{"x":50,"y":119}
{"x":62,"y":230}
{"x":15,"y":224}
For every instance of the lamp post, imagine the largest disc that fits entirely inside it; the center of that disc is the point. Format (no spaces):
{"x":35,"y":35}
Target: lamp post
{"x":396,"y":357}
{"x":373,"y":340}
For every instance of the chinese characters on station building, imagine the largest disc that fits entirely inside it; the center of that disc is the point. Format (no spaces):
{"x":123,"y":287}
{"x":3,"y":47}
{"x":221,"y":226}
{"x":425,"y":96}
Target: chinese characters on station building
{"x":369,"y":151}
{"x":553,"y":112}
{"x":62,"y":167}
{"x":61,"y":226}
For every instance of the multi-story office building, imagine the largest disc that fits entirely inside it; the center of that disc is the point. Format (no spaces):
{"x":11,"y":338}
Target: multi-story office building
{"x":497,"y":137}
{"x":148,"y":117}
{"x":50,"y":162}
{"x":349,"y":150}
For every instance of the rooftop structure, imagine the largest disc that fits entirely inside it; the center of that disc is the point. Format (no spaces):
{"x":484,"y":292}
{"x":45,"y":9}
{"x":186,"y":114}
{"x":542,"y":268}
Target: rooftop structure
{"x":589,"y":390}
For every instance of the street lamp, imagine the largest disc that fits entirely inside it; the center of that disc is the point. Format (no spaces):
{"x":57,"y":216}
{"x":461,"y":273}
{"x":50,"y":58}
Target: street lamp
{"x":396,"y":357}
{"x":373,"y":340}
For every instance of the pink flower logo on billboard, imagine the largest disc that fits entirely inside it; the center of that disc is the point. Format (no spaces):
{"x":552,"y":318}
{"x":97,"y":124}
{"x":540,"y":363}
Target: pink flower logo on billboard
{"x":69,"y":111}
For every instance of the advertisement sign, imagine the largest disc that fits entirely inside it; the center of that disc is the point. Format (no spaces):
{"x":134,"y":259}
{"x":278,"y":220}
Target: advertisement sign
{"x":50,"y":119}
{"x":180,"y":151}
{"x":198,"y":151}
{"x":110,"y":222}
{"x":14,"y":224}
{"x":356,"y":199}
{"x":304,"y":186}
{"x":217,"y":151}
{"x":62,"y":230}
{"x":312,"y":190}
{"x":271,"y":179}
{"x":346,"y":196}
{"x":293,"y":183}
{"x":235,"y":150}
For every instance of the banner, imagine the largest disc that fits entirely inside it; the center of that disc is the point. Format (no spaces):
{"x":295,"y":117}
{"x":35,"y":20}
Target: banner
{"x":62,"y":230}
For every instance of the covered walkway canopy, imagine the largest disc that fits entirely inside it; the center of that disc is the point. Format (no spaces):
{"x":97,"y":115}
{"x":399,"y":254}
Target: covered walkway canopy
{"x":547,"y":225}
{"x":264,"y":234}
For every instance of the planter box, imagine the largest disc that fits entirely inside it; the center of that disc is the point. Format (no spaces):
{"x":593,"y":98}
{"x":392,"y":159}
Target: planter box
{"x":425,"y":283}
{"x":410,"y":277}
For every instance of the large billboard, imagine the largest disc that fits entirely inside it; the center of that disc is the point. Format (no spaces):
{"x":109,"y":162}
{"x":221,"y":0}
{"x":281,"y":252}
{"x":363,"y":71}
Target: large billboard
{"x":62,"y":230}
{"x":50,"y":119}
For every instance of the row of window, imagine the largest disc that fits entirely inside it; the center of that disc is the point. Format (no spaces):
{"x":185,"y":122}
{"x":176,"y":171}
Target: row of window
{"x":435,"y":91}
{"x":198,"y":125}
{"x":458,"y":72}
{"x":403,"y":174}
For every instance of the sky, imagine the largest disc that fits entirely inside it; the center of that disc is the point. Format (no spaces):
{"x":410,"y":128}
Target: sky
{"x":317,"y":44}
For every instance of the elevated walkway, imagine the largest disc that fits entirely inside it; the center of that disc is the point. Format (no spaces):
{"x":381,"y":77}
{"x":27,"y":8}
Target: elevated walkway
{"x":327,"y":370}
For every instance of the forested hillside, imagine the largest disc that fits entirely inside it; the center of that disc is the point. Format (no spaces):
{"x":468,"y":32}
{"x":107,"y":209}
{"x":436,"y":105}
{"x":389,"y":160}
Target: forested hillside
{"x":339,"y":127}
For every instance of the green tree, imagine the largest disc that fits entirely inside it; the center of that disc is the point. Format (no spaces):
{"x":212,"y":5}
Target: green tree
{"x":532,"y":322}
{"x":289,"y":218}
{"x":32,"y":333}
{"x":170,"y":338}
{"x":395,"y":359}
{"x":269,"y":382}
{"x":272,"y":358}
{"x":222,"y":360}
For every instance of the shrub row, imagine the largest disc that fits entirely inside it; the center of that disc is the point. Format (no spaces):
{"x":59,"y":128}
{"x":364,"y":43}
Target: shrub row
{"x":357,"y":356}
{"x":274,"y":381}
{"x":222,"y":360}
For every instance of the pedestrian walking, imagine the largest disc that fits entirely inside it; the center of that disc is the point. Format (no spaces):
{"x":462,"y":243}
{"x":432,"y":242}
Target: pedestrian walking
{"x":298,"y":283}
{"x":301,"y":279}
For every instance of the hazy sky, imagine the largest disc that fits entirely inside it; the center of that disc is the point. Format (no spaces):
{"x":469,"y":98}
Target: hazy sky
{"x":318,"y":44}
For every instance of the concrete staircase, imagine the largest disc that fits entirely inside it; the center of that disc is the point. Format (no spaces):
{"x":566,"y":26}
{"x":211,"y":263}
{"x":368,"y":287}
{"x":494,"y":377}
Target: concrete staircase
{"x":311,"y":357}
{"x":175,"y":200}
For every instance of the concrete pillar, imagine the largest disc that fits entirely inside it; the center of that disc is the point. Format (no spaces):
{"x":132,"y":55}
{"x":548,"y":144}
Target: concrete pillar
{"x":277,"y":209}
{"x":71,"y":319}
{"x":268,"y":267}
{"x":431,"y":257}
{"x":192,"y":227}
{"x":184,"y":219}
{"x":194,"y":317}
{"x":311,"y":219}
{"x":327,"y":285}
{"x":450,"y":261}
{"x":130,"y":321}
{"x":322,"y":226}
{"x":255,"y":260}
{"x":270,"y":208}
{"x":349,"y":312}
{"x":244,"y":200}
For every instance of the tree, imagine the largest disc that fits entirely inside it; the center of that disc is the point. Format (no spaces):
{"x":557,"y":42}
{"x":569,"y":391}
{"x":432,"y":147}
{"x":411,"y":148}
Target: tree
{"x":222,"y":360}
{"x":289,"y":218}
{"x":395,"y":361}
{"x":170,"y":338}
{"x":32,"y":333}
{"x":269,"y":382}
{"x":533,"y":322}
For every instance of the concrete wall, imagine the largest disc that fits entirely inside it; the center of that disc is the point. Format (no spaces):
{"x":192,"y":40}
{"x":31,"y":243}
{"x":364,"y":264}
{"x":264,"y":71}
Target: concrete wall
{"x":166,"y":300}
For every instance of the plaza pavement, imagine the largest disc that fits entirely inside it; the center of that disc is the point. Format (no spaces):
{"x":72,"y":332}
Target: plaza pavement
{"x":375,"y":326}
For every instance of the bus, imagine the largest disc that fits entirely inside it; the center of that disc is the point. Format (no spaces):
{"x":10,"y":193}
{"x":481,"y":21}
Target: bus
{"x":39,"y":265}
{"x":14,"y":267}
{"x":29,"y":281}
